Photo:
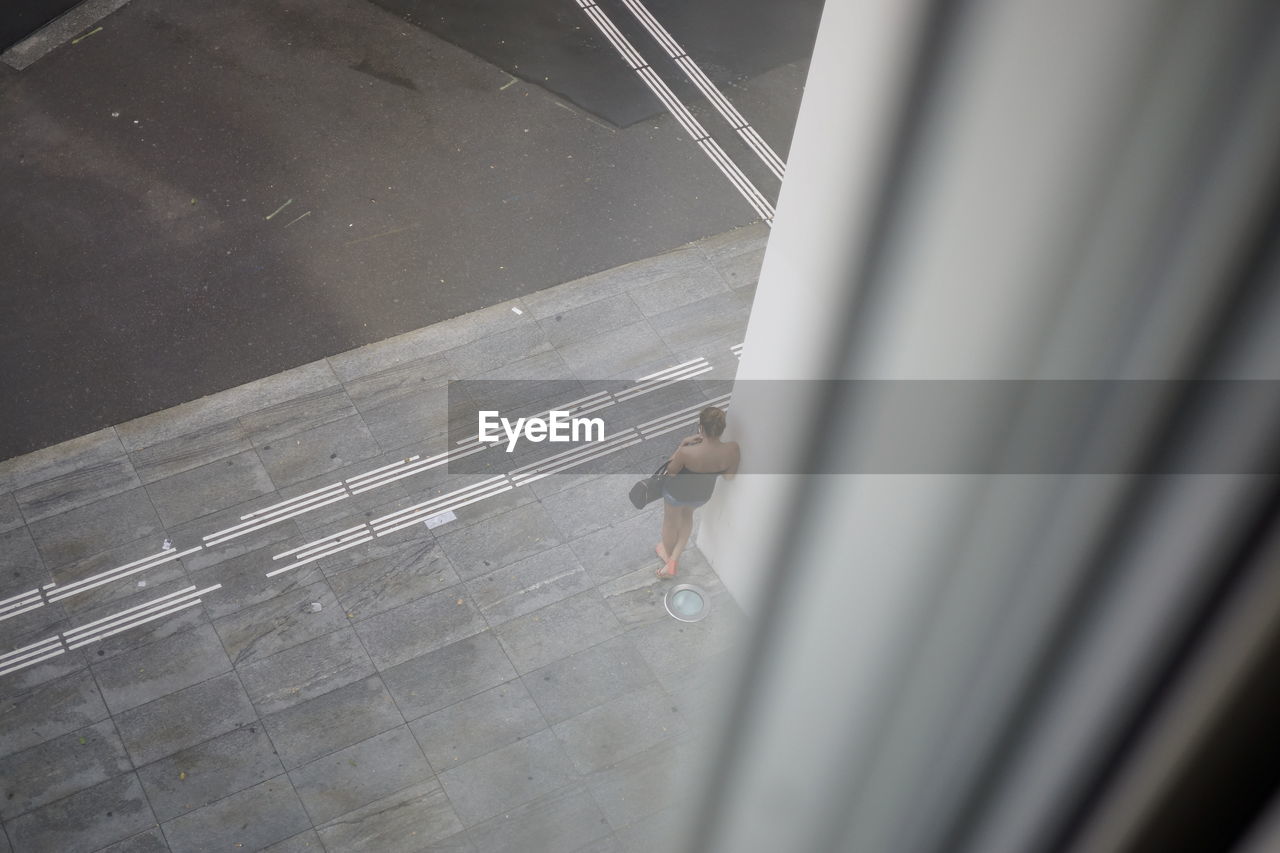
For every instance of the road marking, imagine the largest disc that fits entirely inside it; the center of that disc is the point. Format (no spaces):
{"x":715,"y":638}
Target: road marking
{"x":33,"y":662}
{"x":418,"y":467}
{"x":276,"y":513}
{"x":152,"y":611}
{"x":679,"y":111}
{"x":709,"y":90}
{"x":116,"y":574}
{"x":280,"y":208}
{"x":572,"y":457}
{"x":100,"y":629}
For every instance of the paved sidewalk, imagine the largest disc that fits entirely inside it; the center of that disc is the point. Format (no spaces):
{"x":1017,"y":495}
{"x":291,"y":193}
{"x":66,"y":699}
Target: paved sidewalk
{"x":507,"y":680}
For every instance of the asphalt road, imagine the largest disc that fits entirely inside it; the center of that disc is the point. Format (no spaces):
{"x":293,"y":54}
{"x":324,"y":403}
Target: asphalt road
{"x":200,"y":195}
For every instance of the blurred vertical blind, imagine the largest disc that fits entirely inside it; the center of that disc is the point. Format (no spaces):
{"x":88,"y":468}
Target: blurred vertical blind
{"x":1009,"y":664}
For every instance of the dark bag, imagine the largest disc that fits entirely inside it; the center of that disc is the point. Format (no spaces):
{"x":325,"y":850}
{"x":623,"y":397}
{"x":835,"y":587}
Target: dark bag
{"x":648,"y":490}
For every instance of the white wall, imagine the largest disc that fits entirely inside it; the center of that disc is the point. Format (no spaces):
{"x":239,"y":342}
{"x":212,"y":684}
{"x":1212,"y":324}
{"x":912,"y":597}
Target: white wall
{"x":836,"y":159}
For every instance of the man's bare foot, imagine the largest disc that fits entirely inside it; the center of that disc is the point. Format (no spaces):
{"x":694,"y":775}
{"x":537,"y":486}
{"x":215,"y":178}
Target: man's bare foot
{"x":667,"y":571}
{"x":662,"y":552}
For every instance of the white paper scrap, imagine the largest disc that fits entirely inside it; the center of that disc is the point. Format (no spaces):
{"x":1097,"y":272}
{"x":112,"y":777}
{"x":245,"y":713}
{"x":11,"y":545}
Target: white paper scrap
{"x":442,"y":518}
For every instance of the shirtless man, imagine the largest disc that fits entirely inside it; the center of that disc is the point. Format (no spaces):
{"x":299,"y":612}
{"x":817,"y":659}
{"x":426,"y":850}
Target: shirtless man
{"x":691,"y":478}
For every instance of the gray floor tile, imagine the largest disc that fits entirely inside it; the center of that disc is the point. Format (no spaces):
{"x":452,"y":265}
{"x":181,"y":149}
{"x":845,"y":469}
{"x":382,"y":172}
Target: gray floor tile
{"x":678,"y":264}
{"x":594,"y":504}
{"x":104,"y":524}
{"x":427,"y":341}
{"x":507,"y":777}
{"x":489,"y":508}
{"x":23,"y":567}
{"x":303,"y":842}
{"x":50,"y":461}
{"x":260,"y":631}
{"x":589,"y":678}
{"x":10,"y":514}
{"x":661,"y":831}
{"x":459,"y":842}
{"x":380,"y":546}
{"x":490,"y":353}
{"x":607,"y":844}
{"x":184,"y":719}
{"x":51,"y":709}
{"x":594,"y":318}
{"x":398,"y":380}
{"x":485,"y":722}
{"x":139,"y":676}
{"x":529,"y":380}
{"x":737,"y":256}
{"x":438,"y":679}
{"x":670,"y":646}
{"x":317,"y":451}
{"x":193,"y":532}
{"x":89,"y":481}
{"x":620,"y":728}
{"x":419,"y":627}
{"x":319,"y":516}
{"x":562,"y":820}
{"x":60,"y":767}
{"x":403,"y":821}
{"x":638,"y":786}
{"x":306,"y":671}
{"x":190,"y":450}
{"x":619,"y":461}
{"x":245,"y":583}
{"x":416,"y":569}
{"x":410,"y":421}
{"x":332,"y":721}
{"x":724,"y":364}
{"x":300,"y":414}
{"x":637,"y":598}
{"x":208,"y":772}
{"x":226,"y":405}
{"x":32,"y":627}
{"x":61,"y":459}
{"x":138,"y":636}
{"x":704,"y":321}
{"x":532,"y":373}
{"x":116,"y":590}
{"x":253,"y":818}
{"x":150,"y":841}
{"x":173,"y":424}
{"x":218,"y":485}
{"x":674,"y":292}
{"x":557,"y":631}
{"x":703,"y":689}
{"x":623,"y":547}
{"x":528,"y":585}
{"x":352,"y":778}
{"x":617,"y":353}
{"x":583,"y":291}
{"x":97,"y":816}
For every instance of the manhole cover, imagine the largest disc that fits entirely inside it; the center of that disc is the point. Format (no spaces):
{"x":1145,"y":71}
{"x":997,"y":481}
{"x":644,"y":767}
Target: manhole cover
{"x":687,"y":602}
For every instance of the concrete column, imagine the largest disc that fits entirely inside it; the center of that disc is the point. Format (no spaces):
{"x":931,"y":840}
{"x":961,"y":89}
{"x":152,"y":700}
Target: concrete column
{"x":847,"y":118}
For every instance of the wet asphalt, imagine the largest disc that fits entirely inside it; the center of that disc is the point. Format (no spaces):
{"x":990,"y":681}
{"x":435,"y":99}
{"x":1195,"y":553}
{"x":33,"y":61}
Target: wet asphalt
{"x":200,"y":195}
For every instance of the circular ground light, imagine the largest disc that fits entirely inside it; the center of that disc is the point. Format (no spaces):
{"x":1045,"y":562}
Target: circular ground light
{"x":687,"y":602}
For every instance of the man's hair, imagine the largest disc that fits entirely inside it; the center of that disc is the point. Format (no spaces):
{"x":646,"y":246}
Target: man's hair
{"x":712,"y":421}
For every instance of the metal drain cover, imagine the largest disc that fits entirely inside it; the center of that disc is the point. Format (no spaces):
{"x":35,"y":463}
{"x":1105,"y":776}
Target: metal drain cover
{"x":687,"y":602}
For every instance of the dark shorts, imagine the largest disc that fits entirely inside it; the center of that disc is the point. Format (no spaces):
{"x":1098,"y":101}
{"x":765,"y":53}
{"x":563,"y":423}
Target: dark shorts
{"x":666,"y":496}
